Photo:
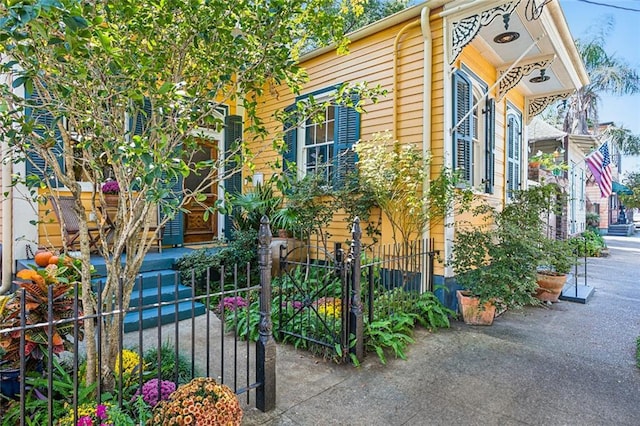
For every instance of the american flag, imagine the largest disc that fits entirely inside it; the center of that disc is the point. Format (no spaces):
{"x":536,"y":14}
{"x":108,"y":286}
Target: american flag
{"x":599,"y":162}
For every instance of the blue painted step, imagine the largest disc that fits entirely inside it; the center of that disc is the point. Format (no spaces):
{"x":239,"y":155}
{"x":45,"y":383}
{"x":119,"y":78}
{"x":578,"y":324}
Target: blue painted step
{"x":149,"y":279}
{"x":167,"y":294}
{"x":167,"y":316}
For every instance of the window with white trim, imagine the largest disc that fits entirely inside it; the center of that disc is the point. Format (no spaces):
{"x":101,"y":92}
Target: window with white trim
{"x":323,"y":144}
{"x":474,"y":134}
{"x":514,"y":151}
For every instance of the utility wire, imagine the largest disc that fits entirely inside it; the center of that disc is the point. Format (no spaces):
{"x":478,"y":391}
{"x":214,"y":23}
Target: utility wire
{"x":610,"y":5}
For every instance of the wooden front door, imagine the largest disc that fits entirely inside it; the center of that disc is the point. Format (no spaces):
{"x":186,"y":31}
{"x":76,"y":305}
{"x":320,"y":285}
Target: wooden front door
{"x":196,"y":228}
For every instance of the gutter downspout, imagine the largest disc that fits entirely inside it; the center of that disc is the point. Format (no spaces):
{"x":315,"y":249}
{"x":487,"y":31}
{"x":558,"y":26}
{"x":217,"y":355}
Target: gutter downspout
{"x":396,"y":42}
{"x":425,"y":25}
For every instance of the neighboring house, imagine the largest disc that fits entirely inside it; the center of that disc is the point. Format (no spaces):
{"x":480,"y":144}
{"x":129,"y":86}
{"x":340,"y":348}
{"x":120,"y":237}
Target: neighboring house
{"x":569,"y":150}
{"x":609,"y":209}
{"x":464,"y":80}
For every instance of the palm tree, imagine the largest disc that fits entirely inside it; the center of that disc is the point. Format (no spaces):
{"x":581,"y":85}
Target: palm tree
{"x":608,"y":74}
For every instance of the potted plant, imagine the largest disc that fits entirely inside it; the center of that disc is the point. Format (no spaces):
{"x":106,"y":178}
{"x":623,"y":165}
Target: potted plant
{"x":36,"y":283}
{"x":110,"y":190}
{"x":551,"y":277}
{"x":495,"y":264}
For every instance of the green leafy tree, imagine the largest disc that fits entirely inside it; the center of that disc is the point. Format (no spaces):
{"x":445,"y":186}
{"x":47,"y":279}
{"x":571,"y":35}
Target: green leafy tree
{"x":375,"y":10}
{"x":163,"y":67}
{"x":632,"y":181}
{"x":397,"y":176}
{"x":608,"y":74}
{"x":623,"y":139}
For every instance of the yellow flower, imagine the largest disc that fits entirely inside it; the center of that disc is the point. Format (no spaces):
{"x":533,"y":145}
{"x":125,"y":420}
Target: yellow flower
{"x":86,"y":409}
{"x":130,"y":363}
{"x":329,"y":306}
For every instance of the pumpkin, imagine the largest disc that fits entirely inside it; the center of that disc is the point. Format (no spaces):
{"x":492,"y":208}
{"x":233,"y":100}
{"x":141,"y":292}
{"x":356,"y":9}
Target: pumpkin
{"x":42,"y":258}
{"x":53,"y":260}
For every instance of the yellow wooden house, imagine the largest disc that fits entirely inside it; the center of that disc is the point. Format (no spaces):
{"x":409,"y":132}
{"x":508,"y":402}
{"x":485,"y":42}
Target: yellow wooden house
{"x":464,"y":78}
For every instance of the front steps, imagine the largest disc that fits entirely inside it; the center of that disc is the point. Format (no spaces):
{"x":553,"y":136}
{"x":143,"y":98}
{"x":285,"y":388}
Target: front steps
{"x":623,"y":230}
{"x":158,"y":298}
{"x":156,"y":280}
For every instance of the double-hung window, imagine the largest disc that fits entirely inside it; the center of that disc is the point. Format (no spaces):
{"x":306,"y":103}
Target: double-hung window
{"x":323,"y":144}
{"x":318,"y":149}
{"x":474,"y":132}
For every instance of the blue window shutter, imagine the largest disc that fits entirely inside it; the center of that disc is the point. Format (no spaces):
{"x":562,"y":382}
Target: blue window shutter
{"x":347,"y":133}
{"x":490,"y":145}
{"x":173,"y":231}
{"x":233,"y":184}
{"x":142,"y":118}
{"x":35,"y":164}
{"x":291,"y":140}
{"x":462,"y":136}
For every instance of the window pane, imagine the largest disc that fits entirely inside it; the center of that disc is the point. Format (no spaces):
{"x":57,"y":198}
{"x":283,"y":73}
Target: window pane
{"x":311,"y":157}
{"x":310,"y":138}
{"x":322,"y":155}
{"x":322,"y":133}
{"x":330,"y":130}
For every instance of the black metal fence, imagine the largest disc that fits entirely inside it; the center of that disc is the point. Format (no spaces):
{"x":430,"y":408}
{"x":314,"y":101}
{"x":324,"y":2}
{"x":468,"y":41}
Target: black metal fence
{"x":322,"y":296}
{"x":199,"y":346}
{"x":401,"y":271}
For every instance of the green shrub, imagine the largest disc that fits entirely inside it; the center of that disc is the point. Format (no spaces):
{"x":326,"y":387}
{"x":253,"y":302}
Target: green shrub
{"x":593,"y":221}
{"x":170,"y":366}
{"x":240,"y":251}
{"x":590,"y":244}
{"x":391,"y":333}
{"x":36,"y":408}
{"x":195,"y":265}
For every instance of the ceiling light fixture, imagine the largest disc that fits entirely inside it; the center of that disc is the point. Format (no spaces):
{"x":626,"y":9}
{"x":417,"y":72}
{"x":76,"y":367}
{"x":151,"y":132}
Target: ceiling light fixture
{"x":506,"y":36}
{"x":541,"y":78}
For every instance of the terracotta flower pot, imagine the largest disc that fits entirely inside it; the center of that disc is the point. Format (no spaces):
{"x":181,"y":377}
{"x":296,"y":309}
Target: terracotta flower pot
{"x":111,"y":200}
{"x":472,"y":312}
{"x":550,"y":286}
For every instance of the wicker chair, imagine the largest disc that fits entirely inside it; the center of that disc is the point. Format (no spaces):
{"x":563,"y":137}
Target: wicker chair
{"x":63,"y":207}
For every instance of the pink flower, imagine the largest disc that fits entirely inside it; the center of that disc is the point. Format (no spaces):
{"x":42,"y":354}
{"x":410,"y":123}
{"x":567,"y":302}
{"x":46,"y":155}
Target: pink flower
{"x":85,"y":421}
{"x":101,"y":412}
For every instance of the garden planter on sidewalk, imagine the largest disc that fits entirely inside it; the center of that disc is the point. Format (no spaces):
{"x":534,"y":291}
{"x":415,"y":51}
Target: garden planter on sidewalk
{"x":550,"y":286}
{"x":472,"y":312}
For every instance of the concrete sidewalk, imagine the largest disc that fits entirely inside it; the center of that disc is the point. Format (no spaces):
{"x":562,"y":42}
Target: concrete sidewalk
{"x":570,"y":364}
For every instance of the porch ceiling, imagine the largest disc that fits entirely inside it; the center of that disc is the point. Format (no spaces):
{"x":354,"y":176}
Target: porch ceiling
{"x":545,"y":38}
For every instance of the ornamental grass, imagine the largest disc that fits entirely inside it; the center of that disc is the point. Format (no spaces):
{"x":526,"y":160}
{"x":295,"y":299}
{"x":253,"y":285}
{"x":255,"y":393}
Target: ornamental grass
{"x":200,"y":402}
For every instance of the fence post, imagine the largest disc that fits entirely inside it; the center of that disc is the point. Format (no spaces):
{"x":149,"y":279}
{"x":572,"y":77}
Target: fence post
{"x":266,"y":346}
{"x":356,"y":326}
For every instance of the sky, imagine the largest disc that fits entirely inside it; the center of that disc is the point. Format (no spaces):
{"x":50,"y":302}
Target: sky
{"x":624,"y":42}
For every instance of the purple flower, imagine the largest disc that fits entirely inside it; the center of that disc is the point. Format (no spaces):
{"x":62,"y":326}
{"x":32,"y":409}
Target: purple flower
{"x":232,"y":303}
{"x":101,"y":412}
{"x":150,"y":391}
{"x":110,"y":187}
{"x":296,"y":305}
